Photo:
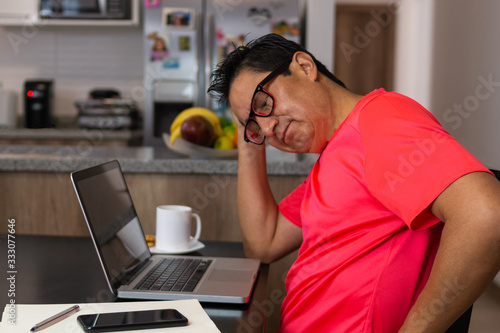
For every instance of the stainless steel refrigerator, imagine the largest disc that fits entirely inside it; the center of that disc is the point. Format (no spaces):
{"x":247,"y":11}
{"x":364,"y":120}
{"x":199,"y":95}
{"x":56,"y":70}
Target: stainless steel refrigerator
{"x":185,"y":39}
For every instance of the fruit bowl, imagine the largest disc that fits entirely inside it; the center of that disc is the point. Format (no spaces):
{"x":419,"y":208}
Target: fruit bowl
{"x":195,"y":151}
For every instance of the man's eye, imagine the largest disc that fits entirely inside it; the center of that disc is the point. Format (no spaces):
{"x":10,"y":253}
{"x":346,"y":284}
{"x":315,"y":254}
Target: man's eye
{"x":267,"y":105}
{"x":264,"y":102}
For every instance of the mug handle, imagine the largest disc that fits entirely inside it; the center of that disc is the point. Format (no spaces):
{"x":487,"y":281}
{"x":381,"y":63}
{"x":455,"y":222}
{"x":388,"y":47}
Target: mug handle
{"x":198,"y":226}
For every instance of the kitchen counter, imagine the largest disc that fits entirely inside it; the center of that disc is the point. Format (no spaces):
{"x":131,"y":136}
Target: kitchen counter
{"x":67,"y":134}
{"x":62,"y":159}
{"x":37,"y":191}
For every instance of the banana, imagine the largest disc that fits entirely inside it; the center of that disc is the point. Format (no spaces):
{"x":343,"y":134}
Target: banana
{"x":174,"y":135}
{"x":209,"y":115}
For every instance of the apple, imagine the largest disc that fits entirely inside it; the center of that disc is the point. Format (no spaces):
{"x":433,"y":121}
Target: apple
{"x":198,"y":130}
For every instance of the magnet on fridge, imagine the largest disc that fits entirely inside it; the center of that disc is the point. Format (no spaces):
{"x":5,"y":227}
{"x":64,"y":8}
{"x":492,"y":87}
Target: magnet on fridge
{"x":286,"y":27}
{"x":178,"y":18}
{"x":171,"y":63}
{"x":159,"y":47}
{"x":259,"y":16}
{"x":151,"y":3}
{"x":184,"y":43}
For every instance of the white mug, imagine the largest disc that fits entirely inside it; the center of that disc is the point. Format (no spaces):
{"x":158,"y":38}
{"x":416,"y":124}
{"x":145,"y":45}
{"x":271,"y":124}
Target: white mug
{"x":173,"y":227}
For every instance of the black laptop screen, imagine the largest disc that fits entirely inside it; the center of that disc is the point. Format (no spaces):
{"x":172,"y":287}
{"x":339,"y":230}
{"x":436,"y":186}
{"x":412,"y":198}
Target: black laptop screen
{"x":112,"y":218}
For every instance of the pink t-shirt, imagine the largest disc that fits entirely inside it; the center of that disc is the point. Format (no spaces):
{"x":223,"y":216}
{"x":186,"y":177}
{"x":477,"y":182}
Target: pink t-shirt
{"x":369,"y":239}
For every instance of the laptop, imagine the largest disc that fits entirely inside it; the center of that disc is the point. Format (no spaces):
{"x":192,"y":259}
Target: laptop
{"x":130,"y":269}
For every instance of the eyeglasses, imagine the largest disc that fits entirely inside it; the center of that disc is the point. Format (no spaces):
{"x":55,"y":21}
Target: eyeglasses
{"x":262,"y":106}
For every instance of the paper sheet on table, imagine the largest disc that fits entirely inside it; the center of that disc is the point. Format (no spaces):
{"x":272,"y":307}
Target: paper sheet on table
{"x":27,"y":315}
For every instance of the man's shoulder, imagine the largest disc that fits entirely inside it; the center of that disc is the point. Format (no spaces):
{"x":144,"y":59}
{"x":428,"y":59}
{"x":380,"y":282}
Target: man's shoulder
{"x":385,"y":108}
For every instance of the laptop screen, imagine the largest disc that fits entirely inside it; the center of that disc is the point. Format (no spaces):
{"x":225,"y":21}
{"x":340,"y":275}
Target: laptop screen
{"x":112,"y":218}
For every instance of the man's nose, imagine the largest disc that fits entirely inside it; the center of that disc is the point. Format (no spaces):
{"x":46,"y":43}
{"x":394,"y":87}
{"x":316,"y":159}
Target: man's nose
{"x":267,"y":125}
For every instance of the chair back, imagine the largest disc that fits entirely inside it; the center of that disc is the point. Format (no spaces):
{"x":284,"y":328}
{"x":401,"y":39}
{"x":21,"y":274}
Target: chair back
{"x":461,"y":325}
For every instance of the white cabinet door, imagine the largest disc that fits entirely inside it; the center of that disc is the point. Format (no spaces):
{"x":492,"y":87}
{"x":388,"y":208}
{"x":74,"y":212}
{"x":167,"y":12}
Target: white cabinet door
{"x":18,"y":12}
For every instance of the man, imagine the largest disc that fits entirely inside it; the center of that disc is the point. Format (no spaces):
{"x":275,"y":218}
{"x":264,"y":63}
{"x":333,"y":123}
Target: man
{"x":398,"y":225}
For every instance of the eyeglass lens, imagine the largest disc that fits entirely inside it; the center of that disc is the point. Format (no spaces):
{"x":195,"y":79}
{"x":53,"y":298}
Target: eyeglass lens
{"x":262,"y":105}
{"x":253,"y":132}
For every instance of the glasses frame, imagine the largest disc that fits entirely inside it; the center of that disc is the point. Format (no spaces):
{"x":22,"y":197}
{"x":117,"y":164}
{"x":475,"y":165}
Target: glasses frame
{"x":260,"y":88}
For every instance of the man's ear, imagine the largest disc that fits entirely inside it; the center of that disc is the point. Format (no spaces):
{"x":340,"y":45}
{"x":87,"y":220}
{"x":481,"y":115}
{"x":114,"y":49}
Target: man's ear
{"x":305,"y":64}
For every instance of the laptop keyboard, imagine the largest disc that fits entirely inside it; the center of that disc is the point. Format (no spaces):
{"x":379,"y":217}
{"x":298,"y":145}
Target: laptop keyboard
{"x":174,"y":274}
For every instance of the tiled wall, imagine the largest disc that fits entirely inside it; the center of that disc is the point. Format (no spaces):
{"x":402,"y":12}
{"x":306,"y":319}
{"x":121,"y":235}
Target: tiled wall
{"x":78,"y":59}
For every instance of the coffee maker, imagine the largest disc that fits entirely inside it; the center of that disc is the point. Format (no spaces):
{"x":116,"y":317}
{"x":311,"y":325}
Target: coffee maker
{"x":38,"y":102}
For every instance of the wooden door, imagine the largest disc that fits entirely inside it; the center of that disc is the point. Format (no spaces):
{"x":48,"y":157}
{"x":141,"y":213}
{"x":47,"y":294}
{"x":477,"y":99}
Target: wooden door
{"x":364,"y":47}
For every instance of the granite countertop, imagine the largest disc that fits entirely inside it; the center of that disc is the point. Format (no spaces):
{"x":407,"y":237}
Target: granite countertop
{"x":68,"y":134}
{"x":42,"y":158}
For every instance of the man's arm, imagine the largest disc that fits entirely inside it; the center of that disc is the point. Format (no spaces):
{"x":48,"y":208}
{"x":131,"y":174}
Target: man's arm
{"x":468,"y":257}
{"x":267,"y":234}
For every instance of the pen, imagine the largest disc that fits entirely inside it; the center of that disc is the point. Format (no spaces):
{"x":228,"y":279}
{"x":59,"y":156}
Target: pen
{"x":55,"y":318}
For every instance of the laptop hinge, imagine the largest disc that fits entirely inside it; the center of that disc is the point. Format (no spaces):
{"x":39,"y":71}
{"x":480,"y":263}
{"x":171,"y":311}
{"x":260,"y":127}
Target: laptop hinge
{"x":136,"y":271}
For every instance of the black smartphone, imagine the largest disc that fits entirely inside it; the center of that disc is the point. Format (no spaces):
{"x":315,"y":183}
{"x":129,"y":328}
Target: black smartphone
{"x":124,"y":321}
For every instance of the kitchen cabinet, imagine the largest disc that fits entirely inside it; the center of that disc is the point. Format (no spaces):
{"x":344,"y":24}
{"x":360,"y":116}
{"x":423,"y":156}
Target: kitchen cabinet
{"x":18,"y":12}
{"x":45,"y":203}
{"x":37,"y":191}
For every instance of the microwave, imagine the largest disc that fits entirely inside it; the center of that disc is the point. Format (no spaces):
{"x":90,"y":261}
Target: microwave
{"x":85,"y":9}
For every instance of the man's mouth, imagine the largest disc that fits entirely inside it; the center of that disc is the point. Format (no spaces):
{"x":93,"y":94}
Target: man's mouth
{"x":285,"y":132}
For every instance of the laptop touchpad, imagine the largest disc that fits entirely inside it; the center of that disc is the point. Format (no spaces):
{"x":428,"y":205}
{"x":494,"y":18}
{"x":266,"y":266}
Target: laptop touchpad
{"x":231,"y":275}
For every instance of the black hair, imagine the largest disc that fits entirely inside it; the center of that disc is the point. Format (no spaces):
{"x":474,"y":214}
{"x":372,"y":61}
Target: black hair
{"x":261,"y":55}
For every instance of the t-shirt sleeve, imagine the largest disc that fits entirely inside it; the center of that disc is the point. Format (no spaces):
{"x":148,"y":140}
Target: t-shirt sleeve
{"x":409,"y":158}
{"x":290,"y":205}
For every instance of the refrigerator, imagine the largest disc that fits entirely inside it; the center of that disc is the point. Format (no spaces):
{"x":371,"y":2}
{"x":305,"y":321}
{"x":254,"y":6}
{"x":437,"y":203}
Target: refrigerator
{"x":184,"y":40}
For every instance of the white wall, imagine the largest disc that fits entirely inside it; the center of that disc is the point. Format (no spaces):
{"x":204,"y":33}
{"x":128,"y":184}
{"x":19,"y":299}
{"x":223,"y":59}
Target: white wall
{"x":466,"y":56}
{"x":464,"y":82}
{"x":413,"y":49}
{"x":446,"y":52}
{"x":78,"y":59}
{"x":320,"y":30}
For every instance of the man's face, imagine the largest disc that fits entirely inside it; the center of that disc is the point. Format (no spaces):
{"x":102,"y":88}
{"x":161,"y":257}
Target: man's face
{"x":297,"y":123}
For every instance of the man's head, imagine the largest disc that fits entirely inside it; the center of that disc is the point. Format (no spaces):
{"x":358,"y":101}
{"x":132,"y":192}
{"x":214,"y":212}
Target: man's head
{"x":259,"y":56}
{"x":278,"y":91}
